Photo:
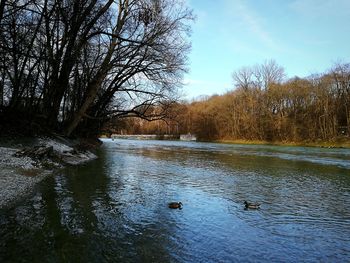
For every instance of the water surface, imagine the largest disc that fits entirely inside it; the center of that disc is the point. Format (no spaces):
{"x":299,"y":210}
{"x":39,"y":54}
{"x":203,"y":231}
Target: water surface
{"x":115,"y":209}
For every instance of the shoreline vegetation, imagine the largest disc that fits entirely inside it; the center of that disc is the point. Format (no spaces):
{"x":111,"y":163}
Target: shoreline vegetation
{"x":326,"y":144}
{"x":342,"y":142}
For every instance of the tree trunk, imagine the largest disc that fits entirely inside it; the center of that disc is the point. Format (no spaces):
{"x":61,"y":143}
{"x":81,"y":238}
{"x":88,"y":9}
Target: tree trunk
{"x":1,"y":94}
{"x":92,"y":91}
{"x":348,"y":120}
{"x":2,"y":7}
{"x":96,"y":83}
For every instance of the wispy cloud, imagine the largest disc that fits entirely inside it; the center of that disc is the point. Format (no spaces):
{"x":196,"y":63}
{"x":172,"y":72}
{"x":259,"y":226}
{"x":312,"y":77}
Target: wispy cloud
{"x":253,"y":22}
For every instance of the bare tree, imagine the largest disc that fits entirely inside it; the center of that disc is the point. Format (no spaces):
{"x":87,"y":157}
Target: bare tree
{"x":268,"y":73}
{"x":341,"y":75}
{"x":260,"y":76}
{"x":144,"y":60}
{"x":69,"y":64}
{"x":243,"y":78}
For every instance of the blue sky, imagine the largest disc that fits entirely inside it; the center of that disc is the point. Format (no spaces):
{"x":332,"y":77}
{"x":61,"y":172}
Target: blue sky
{"x":303,"y":36}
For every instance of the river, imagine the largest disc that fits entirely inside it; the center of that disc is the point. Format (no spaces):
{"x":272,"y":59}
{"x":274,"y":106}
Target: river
{"x":115,"y":209}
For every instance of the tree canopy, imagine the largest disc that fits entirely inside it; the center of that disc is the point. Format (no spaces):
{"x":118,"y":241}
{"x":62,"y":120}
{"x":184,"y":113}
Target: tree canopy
{"x":71,"y":65}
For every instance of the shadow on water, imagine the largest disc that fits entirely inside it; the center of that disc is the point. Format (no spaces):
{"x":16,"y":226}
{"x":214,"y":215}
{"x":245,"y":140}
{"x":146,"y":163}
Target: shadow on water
{"x":115,"y":209}
{"x":78,"y":216}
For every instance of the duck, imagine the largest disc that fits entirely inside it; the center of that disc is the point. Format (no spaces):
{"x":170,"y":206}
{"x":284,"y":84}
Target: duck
{"x":251,"y":205}
{"x":175,"y":205}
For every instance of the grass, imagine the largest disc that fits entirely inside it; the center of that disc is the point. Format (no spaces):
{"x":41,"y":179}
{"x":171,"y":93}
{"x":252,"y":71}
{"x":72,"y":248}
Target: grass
{"x":337,"y":143}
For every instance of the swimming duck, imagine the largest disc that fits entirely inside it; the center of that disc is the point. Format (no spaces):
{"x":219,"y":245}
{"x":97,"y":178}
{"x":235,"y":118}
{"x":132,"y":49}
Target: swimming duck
{"x":251,"y":205}
{"x":175,"y":205}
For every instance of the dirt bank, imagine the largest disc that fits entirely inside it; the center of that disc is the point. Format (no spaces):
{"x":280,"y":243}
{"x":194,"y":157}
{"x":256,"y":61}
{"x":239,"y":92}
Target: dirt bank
{"x":22,"y":168}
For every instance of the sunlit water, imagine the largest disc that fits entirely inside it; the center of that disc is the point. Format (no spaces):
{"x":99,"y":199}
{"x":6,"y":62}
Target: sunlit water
{"x":115,"y":209}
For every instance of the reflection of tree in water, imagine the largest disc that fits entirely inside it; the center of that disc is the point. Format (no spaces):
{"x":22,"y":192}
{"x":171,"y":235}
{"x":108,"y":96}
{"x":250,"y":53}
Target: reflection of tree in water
{"x":58,"y":223}
{"x":70,"y":209}
{"x":102,"y":212}
{"x":141,"y":198}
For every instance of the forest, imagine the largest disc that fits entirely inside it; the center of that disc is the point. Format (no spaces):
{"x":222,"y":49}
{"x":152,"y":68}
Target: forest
{"x":264,"y":105}
{"x":82,"y":67}
{"x":69,"y":66}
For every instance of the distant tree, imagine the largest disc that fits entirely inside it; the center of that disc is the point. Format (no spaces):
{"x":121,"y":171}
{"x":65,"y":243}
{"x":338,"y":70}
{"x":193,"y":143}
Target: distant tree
{"x":341,"y":77}
{"x":243,"y":78}
{"x":265,"y":106}
{"x":269,"y":73}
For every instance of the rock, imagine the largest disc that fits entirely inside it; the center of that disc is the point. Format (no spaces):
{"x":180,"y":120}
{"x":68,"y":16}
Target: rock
{"x":52,"y":153}
{"x":37,"y":152}
{"x":21,"y":170}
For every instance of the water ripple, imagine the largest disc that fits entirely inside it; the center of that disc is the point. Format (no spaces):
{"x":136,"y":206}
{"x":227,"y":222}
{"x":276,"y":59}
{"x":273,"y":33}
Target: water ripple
{"x":115,"y":209}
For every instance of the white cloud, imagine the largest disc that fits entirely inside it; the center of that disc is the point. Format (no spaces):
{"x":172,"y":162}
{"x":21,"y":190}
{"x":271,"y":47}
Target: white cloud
{"x":253,"y":22}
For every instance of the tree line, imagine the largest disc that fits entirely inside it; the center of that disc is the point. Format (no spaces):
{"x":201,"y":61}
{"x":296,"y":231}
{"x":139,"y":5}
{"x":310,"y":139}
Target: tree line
{"x":70,"y":66}
{"x":264,"y":105}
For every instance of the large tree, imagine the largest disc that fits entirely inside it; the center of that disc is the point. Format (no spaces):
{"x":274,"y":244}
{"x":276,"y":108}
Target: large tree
{"x":72,"y":65}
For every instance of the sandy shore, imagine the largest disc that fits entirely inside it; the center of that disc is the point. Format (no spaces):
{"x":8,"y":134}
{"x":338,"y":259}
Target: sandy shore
{"x":20,"y":175}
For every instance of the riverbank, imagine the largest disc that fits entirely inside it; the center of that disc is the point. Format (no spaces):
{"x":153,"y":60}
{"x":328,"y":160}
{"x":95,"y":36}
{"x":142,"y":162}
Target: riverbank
{"x":339,"y":143}
{"x":26,"y":162}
